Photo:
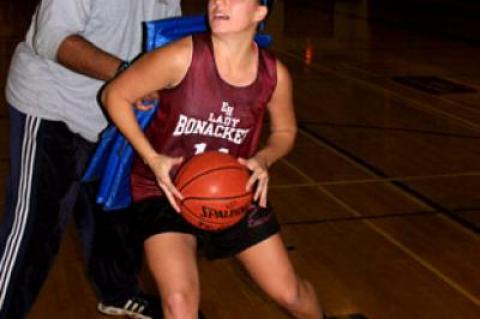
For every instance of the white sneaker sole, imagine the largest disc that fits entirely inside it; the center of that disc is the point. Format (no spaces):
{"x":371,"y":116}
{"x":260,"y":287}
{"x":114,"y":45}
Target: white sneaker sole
{"x":114,"y":311}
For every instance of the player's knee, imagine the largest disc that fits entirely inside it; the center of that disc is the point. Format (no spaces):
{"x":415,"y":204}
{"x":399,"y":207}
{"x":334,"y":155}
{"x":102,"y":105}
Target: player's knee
{"x":180,"y":304}
{"x":290,"y":297}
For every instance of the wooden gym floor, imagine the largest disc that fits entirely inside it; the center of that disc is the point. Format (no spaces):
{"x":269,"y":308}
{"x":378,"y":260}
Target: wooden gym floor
{"x":379,"y":199}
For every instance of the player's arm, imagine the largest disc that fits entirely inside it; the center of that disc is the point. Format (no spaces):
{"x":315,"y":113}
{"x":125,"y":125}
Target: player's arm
{"x":283,"y":125}
{"x":162,"y":68}
{"x":159,"y":69}
{"x":283,"y":129}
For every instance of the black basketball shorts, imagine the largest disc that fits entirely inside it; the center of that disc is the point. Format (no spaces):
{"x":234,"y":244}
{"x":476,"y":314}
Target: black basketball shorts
{"x":156,"y":216}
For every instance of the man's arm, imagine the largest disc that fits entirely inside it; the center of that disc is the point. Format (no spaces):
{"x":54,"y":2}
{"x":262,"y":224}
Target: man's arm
{"x":79,"y":55}
{"x":58,"y":28}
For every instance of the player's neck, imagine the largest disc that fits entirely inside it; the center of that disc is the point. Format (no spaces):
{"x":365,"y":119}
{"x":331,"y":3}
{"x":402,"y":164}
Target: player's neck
{"x":235,"y":49}
{"x":236,"y":58}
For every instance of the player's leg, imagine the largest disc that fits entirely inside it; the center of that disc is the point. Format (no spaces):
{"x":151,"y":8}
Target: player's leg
{"x":256,"y":243}
{"x":269,"y":265}
{"x":172,"y":260}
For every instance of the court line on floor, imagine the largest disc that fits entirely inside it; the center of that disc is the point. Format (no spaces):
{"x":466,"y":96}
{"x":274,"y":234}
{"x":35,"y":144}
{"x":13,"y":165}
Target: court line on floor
{"x":391,"y":129}
{"x":414,"y":103}
{"x":436,"y":97}
{"x":452,"y":283}
{"x":374,"y":180}
{"x":358,"y":218}
{"x":373,"y":217}
{"x":403,"y":188}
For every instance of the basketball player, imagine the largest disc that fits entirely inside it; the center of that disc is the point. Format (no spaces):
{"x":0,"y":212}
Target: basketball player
{"x":215,"y":88}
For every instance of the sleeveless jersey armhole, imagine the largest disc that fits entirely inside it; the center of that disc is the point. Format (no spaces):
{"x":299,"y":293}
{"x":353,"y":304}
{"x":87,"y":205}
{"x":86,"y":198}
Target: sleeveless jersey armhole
{"x":192,"y":55}
{"x":270,"y":64}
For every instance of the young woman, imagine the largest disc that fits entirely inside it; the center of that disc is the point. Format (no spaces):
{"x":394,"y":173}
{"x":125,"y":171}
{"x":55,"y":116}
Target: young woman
{"x":214,"y":90}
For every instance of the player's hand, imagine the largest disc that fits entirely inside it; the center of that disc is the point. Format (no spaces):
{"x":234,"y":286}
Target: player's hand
{"x":259,"y":169}
{"x":161,"y":165}
{"x":147,"y":102}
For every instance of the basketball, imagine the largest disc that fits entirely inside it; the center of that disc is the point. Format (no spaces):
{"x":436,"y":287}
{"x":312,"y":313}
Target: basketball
{"x":213,"y":188}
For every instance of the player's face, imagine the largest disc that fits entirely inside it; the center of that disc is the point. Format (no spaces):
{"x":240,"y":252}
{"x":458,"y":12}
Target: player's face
{"x":226,"y":16}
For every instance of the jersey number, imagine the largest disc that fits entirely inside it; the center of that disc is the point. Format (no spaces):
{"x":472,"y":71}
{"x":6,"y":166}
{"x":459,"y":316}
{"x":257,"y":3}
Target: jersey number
{"x":201,"y":147}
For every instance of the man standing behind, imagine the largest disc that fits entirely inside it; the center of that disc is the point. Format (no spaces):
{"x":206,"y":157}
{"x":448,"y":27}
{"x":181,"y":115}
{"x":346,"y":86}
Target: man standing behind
{"x":71,"y":49}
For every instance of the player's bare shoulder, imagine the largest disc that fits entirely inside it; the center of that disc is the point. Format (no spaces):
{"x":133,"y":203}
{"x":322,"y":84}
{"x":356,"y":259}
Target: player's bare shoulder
{"x":174,"y":58}
{"x":180,"y":51}
{"x":283,"y":89}
{"x":283,"y":75}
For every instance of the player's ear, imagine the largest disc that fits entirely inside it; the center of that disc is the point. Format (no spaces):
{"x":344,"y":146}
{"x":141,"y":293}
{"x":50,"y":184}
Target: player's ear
{"x":261,"y":13}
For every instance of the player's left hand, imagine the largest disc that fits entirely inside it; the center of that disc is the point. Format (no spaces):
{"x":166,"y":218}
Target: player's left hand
{"x":259,"y":169}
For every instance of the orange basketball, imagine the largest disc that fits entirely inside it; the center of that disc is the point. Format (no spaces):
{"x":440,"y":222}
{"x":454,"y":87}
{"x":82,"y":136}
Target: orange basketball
{"x":213,"y":187}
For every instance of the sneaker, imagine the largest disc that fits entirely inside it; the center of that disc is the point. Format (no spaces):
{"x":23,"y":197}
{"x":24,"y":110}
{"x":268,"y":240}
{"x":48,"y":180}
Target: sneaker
{"x":139,"y":307}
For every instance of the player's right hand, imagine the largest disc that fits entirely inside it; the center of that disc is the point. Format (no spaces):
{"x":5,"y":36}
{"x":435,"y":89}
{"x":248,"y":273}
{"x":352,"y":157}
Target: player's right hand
{"x":161,"y":165}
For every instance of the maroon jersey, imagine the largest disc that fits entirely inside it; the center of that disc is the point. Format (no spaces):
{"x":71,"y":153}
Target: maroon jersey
{"x":205,"y":113}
